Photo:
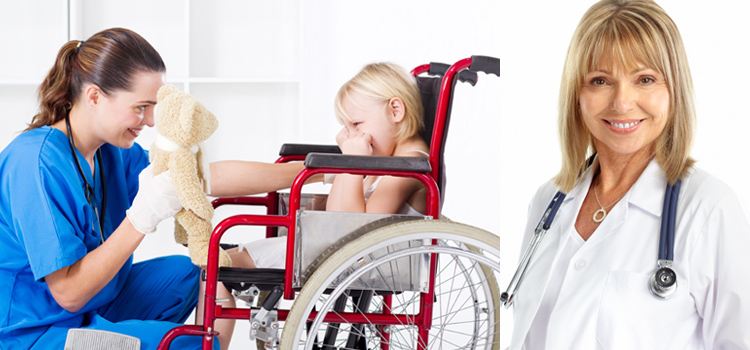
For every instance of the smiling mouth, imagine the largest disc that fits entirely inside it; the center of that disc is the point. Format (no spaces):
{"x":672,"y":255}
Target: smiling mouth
{"x":624,"y":125}
{"x":134,"y":131}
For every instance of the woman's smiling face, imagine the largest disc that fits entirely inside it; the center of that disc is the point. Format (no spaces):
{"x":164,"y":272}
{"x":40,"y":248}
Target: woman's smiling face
{"x":126,"y":113}
{"x":625,"y":111}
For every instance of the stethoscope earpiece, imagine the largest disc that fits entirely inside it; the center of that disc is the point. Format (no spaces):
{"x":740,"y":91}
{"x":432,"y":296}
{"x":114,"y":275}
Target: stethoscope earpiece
{"x":663,"y":283}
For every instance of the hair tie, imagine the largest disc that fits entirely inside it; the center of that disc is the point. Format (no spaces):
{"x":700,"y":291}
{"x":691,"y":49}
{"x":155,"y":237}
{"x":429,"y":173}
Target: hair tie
{"x":79,"y":45}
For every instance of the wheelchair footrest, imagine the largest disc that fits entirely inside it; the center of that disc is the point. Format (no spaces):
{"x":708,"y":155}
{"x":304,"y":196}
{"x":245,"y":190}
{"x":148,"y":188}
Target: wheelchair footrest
{"x":241,"y":279}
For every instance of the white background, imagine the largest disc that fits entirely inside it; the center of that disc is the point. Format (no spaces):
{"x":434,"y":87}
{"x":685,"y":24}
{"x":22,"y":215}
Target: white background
{"x":502,"y":143}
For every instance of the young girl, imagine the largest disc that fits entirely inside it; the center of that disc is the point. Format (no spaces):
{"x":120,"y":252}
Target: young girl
{"x":382,"y":114}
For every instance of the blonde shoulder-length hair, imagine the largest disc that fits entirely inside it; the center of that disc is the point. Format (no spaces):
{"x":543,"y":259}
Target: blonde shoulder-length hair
{"x":628,"y":33}
{"x":383,"y":81}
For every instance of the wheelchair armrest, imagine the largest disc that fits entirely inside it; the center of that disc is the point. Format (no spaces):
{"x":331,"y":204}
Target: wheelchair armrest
{"x":340,"y":161}
{"x":241,"y":200}
{"x":299,"y":149}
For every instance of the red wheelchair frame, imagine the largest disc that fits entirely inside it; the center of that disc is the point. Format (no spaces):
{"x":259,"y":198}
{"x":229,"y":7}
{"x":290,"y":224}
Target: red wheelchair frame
{"x":427,"y":173}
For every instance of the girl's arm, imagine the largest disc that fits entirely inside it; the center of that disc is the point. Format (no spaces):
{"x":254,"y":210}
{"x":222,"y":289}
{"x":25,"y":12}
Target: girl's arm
{"x":238,"y":178}
{"x":347,"y":194}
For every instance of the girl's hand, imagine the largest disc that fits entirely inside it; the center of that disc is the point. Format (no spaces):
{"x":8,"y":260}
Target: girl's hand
{"x":352,"y":142}
{"x":359,"y":145}
{"x":341,"y":136}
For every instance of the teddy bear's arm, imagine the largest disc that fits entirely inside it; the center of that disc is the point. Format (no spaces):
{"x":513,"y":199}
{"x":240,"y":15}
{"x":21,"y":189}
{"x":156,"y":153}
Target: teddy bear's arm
{"x":184,"y":171}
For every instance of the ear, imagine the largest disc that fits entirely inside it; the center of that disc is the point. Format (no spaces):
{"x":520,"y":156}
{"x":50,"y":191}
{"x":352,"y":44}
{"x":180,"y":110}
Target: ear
{"x":397,"y":109}
{"x":92,"y":95}
{"x":187,"y":115}
{"x":164,"y":91}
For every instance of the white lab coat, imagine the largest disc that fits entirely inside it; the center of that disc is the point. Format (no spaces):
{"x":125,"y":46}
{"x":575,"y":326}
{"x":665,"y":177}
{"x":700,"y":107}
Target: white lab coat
{"x":605,"y":302}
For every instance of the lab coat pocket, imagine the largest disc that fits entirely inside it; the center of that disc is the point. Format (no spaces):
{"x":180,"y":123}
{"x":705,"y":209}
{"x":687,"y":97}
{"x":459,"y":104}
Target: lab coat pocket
{"x":630,"y":317}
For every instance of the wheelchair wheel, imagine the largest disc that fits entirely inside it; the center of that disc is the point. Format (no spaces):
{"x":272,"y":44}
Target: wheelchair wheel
{"x":466,"y":301}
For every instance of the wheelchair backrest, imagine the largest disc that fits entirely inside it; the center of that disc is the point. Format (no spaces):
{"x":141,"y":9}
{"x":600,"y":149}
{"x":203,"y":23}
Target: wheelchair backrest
{"x":429,"y":91}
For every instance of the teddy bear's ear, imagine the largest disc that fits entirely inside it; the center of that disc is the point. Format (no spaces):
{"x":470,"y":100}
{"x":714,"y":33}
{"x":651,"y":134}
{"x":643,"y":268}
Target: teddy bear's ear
{"x":187,"y":115}
{"x":164,"y":91}
{"x":197,"y":121}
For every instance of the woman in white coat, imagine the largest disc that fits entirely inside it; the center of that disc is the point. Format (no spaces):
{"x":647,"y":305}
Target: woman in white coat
{"x":626,"y":100}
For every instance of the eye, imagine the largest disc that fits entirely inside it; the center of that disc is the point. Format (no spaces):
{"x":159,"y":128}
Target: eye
{"x":356,"y":124}
{"x":142,"y":108}
{"x":647,"y":80}
{"x":598,"y":81}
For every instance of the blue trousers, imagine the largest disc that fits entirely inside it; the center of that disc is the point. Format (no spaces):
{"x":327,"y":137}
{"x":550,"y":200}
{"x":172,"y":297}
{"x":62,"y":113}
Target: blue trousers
{"x":159,"y":295}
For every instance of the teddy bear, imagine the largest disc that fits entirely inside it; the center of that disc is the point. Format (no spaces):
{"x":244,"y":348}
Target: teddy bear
{"x":182,"y":123}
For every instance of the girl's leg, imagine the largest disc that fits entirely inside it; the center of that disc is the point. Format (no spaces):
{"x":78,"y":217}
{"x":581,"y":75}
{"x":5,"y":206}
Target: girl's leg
{"x":241,"y":258}
{"x":225,"y":327}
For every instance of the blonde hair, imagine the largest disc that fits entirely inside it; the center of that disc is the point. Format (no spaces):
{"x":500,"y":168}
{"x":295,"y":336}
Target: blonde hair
{"x":382,"y":82}
{"x":628,"y":33}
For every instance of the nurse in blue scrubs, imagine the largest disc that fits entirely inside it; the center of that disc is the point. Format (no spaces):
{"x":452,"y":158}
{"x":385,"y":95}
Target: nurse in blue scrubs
{"x":73,"y":209}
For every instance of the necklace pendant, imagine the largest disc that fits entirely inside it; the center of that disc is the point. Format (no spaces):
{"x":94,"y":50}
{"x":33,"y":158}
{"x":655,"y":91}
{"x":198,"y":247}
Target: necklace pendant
{"x":603,"y":214}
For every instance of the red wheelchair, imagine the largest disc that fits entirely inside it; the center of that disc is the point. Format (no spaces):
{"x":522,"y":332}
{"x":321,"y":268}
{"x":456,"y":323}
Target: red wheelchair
{"x":367,"y":281}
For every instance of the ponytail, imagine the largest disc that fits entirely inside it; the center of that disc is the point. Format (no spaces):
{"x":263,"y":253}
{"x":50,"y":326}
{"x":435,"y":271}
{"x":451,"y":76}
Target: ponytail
{"x":56,"y":93}
{"x":108,"y":59}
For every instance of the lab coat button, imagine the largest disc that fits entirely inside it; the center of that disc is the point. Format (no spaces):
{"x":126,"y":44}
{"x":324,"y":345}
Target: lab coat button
{"x":580,"y":264}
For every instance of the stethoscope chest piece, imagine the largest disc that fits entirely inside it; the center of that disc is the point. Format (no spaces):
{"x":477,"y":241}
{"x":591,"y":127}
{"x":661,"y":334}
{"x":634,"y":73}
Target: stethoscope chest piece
{"x":663,"y":283}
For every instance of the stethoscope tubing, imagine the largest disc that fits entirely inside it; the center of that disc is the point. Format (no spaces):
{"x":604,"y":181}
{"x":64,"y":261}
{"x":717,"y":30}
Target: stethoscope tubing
{"x":88,"y":190}
{"x":541,"y":229}
{"x":666,"y":242}
{"x":672,"y":219}
{"x":666,"y":236}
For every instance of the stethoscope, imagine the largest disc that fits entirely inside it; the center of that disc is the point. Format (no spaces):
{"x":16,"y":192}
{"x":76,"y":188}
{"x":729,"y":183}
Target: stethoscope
{"x":662,"y":284}
{"x":88,"y":190}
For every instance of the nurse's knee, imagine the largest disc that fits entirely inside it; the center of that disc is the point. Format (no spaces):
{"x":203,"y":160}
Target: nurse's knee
{"x":183,"y":269}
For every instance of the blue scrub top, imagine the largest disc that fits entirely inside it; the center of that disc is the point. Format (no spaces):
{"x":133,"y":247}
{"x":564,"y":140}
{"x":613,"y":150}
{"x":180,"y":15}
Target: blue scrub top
{"x":46,"y":223}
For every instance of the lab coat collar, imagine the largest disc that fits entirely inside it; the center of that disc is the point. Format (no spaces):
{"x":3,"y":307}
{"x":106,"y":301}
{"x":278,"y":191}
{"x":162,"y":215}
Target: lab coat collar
{"x":651,"y":181}
{"x":583,"y":186}
{"x":570,"y":209}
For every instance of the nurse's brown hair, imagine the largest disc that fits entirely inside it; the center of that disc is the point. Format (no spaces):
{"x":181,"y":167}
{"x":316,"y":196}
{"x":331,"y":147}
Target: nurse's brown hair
{"x":108,"y":59}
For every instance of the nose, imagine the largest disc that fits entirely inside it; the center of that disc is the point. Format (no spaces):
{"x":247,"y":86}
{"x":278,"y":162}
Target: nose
{"x":624,"y":98}
{"x":148,"y":117}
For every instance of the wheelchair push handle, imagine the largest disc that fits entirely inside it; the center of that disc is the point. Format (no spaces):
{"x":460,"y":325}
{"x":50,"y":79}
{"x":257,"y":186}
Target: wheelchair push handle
{"x":465,"y":76}
{"x":437,"y":68}
{"x":486,"y":64}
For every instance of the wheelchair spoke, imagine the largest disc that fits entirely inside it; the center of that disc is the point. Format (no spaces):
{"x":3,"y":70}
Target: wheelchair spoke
{"x":464,"y":312}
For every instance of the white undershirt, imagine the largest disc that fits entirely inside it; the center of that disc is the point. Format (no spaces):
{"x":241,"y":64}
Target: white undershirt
{"x":537,"y":336}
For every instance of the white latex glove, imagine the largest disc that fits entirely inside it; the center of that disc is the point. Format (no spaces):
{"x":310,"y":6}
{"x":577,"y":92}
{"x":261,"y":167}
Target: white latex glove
{"x":156,"y":201}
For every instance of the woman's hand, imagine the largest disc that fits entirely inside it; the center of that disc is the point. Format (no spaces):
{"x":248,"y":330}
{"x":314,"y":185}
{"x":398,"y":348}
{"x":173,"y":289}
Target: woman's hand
{"x":353,"y":142}
{"x":156,"y":201}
